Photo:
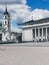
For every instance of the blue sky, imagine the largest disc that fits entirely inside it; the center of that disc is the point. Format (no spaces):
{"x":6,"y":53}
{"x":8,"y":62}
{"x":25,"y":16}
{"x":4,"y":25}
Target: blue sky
{"x":41,"y":4}
{"x":22,"y":11}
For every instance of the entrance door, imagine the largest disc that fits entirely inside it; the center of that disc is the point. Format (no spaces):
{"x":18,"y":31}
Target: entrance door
{"x":0,"y":37}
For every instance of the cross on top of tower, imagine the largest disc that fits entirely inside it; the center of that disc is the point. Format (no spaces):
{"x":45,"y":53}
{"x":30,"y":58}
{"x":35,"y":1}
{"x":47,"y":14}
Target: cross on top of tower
{"x":6,"y":9}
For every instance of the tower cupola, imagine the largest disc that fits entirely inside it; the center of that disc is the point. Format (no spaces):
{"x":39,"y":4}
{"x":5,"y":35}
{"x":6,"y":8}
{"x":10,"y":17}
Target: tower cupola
{"x":6,"y":12}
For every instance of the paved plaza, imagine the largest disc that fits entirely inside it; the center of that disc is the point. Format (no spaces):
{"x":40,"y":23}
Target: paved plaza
{"x":24,"y":54}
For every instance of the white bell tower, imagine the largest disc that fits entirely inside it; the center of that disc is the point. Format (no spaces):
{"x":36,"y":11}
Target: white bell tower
{"x":6,"y":26}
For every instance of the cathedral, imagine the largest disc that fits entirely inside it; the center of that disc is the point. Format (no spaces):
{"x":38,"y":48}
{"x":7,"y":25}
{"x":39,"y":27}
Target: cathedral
{"x":5,"y":27}
{"x":35,"y":31}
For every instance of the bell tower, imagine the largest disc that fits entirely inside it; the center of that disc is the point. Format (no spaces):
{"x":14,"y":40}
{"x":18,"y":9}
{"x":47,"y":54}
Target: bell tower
{"x":6,"y":26}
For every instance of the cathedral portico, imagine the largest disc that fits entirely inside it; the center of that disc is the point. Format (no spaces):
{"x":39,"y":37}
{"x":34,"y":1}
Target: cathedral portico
{"x":40,"y":34}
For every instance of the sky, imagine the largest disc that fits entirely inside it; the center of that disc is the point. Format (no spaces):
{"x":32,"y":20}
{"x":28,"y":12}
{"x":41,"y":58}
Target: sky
{"x":22,"y":11}
{"x":40,"y":4}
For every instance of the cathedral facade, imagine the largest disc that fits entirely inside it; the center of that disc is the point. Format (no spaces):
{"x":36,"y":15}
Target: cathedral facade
{"x":5,"y":27}
{"x":37,"y":31}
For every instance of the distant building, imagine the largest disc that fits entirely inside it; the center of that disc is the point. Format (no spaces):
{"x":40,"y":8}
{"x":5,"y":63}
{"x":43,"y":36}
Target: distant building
{"x":35,"y":30}
{"x":16,"y":37}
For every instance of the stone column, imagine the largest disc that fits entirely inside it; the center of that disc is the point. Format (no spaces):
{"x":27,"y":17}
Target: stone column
{"x":38,"y":33}
{"x":32,"y":35}
{"x":35,"y":34}
{"x":42,"y":34}
{"x":46,"y":33}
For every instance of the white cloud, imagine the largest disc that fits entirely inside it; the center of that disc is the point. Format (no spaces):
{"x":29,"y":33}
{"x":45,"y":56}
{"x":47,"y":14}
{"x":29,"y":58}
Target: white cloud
{"x":36,"y":14}
{"x":15,"y":29}
{"x":20,"y":12}
{"x":17,"y":9}
{"x":39,"y":14}
{"x":4,"y":2}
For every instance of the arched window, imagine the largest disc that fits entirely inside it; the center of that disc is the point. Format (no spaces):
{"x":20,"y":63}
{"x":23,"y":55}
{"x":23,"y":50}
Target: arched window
{"x":5,"y":17}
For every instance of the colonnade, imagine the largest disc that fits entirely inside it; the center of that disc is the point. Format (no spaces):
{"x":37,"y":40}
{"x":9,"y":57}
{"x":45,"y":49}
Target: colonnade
{"x":40,"y":34}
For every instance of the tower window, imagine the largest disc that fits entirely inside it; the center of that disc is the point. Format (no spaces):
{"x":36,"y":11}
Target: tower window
{"x":5,"y":17}
{"x":5,"y":22}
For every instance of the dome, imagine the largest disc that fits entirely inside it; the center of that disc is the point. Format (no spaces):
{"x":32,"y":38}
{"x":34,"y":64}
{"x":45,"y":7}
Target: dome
{"x":6,"y":12}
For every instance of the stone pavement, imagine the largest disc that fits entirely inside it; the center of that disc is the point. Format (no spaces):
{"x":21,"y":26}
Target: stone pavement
{"x":20,"y":54}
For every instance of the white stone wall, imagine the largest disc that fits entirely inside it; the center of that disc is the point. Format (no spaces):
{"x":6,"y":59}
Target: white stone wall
{"x":27,"y":35}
